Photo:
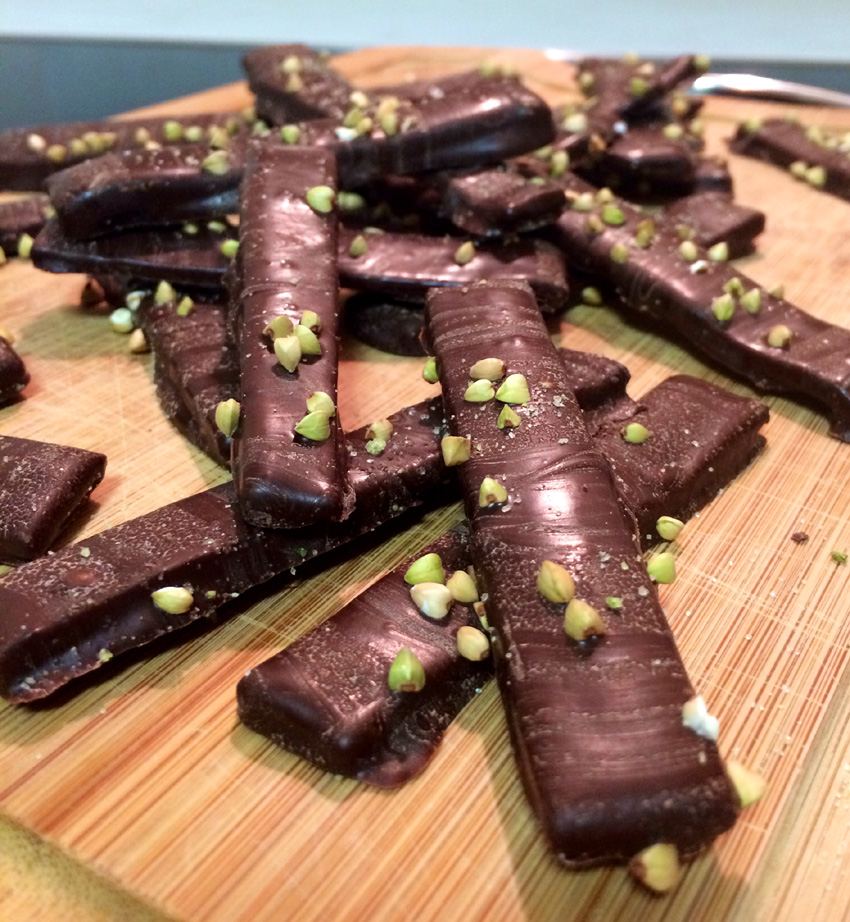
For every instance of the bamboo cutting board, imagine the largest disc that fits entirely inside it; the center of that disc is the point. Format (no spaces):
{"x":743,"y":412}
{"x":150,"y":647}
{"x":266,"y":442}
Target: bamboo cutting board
{"x":142,"y":797}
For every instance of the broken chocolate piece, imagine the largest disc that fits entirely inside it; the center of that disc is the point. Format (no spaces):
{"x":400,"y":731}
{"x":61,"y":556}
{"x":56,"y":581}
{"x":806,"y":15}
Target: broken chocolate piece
{"x":60,"y":613}
{"x":293,"y":82}
{"x":21,"y":216}
{"x":348,"y":721}
{"x":42,"y":486}
{"x":405,"y":266}
{"x":286,"y":265}
{"x":814,"y":155}
{"x":596,"y":725}
{"x":713,"y":217}
{"x":29,"y":155}
{"x":392,"y":326}
{"x":14,"y":376}
{"x":681,"y":295}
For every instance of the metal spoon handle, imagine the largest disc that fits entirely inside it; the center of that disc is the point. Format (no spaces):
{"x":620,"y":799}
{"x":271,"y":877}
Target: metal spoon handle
{"x":756,"y":87}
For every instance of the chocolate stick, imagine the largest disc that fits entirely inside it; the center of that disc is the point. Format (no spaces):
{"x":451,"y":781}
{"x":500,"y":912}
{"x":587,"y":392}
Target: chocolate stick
{"x":596,"y":724}
{"x":287,"y":457}
{"x":711,"y":305}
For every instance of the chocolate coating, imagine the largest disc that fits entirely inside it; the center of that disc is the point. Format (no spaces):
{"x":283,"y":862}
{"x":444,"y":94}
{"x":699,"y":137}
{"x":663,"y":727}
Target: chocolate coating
{"x":782,"y":142}
{"x":658,"y":283}
{"x":285,"y":265}
{"x":21,"y":216}
{"x":14,"y":376}
{"x":59,"y":612}
{"x":42,"y":486}
{"x":392,"y":326}
{"x":714,"y":217}
{"x":597,"y":733}
{"x":319,"y":91}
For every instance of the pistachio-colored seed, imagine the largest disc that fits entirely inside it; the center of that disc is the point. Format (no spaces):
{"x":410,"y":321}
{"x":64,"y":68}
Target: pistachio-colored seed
{"x":662,"y":567}
{"x":480,"y":610}
{"x":78,"y":146}
{"x":227,"y":416}
{"x":723,"y":307}
{"x":190,"y":228}
{"x":491,"y":493}
{"x":294,"y":83}
{"x":7,"y":335}
{"x":751,"y":301}
{"x":138,"y":343}
{"x":555,"y":583}
{"x":104,"y":655}
{"x":591,"y":296}
{"x":514,"y":390}
{"x":429,"y":370}
{"x":594,"y":224}
{"x":172,"y":131}
{"x":25,"y":242}
{"x":582,"y":202}
{"x":491,"y":369}
{"x":575,"y":123}
{"x":779,"y":337}
{"x":669,"y":527}
{"x":290,"y":134}
{"x":636,"y":433}
{"x":613,"y":216}
{"x":673,"y":131}
{"x":695,"y":717}
{"x":684,"y":232}
{"x":614,"y":602}
{"x":230,"y":248}
{"x":279,"y":326}
{"x":462,"y":587}
{"x":364,"y":126}
{"x":36,"y":143}
{"x":688,"y":250}
{"x":164,"y":293}
{"x":314,"y":426}
{"x":288,"y":351}
{"x":176,"y":600}
{"x":216,"y":162}
{"x":456,"y":450}
{"x":604,"y":196}
{"x":310,"y":344}
{"x":472,"y":644}
{"x":291,"y":64}
{"x":586,"y":80}
{"x":619,"y":253}
{"x":2,"y":257}
{"x":352,"y":117}
{"x":141,"y":136}
{"x":121,"y":320}
{"x":816,"y":176}
{"x":321,"y":199}
{"x":350,"y":201}
{"x":433,"y":599}
{"x":358,"y":98}
{"x":388,"y":122}
{"x":657,"y":867}
{"x":388,"y":104}
{"x":185,"y":307}
{"x":375,"y":446}
{"x":750,"y":786}
{"x":407,"y":674}
{"x":94,"y":141}
{"x":840,"y":557}
{"x":312,"y":321}
{"x":645,"y":233}
{"x":479,"y":391}
{"x":426,"y":569}
{"x":798,"y":169}
{"x":734,"y":286}
{"x":464,"y":253}
{"x":380,"y":429}
{"x":320,"y":402}
{"x":358,"y":246}
{"x":217,"y":227}
{"x":719,"y":252}
{"x":582,"y":620}
{"x":260,"y":129}
{"x":219,"y":138}
{"x":778,"y":291}
{"x":56,"y":153}
{"x":638,"y":86}
{"x":194,"y":133}
{"x":697,"y":127}
{"x":508,"y":418}
{"x":752,"y":125}
{"x":702,"y":62}
{"x":560,"y":163}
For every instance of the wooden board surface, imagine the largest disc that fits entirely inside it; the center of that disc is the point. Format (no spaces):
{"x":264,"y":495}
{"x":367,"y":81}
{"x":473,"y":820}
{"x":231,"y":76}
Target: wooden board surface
{"x":142,"y":797}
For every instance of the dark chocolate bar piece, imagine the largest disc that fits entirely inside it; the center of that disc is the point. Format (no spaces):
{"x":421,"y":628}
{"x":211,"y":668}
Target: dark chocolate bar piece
{"x":179,"y":255}
{"x":29,"y":155}
{"x":42,"y":486}
{"x":812,"y":154}
{"x":196,"y":368}
{"x":382,"y":323}
{"x":713,"y":175}
{"x":25,"y":215}
{"x":714,"y":308}
{"x":292,"y":83}
{"x":14,"y":376}
{"x":348,"y":721}
{"x":596,"y":725}
{"x":63,"y":615}
{"x":286,"y":265}
{"x":500,"y":201}
{"x":133,"y":188}
{"x":709,"y":217}
{"x":405,"y":266}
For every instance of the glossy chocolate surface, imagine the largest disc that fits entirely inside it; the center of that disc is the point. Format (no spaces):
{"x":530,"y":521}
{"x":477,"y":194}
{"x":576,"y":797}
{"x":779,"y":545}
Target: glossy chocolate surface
{"x":58,"y":613}
{"x":657,"y":282}
{"x":42,"y":485}
{"x":714,"y":217}
{"x":285,"y":265}
{"x":14,"y":376}
{"x":597,"y":729}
